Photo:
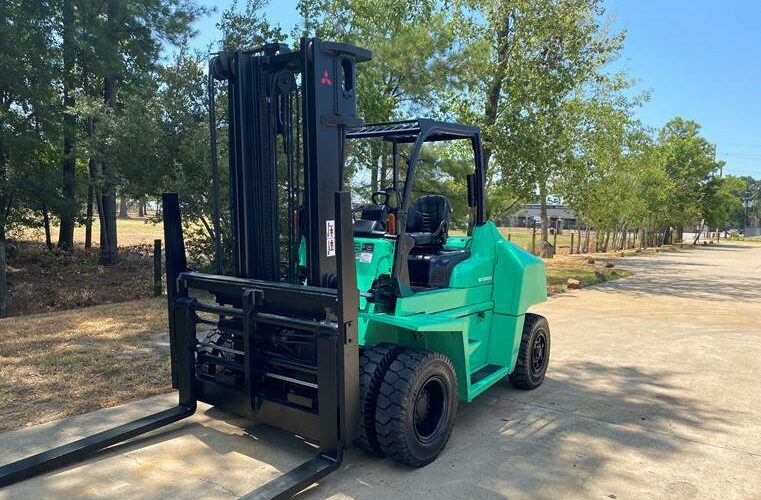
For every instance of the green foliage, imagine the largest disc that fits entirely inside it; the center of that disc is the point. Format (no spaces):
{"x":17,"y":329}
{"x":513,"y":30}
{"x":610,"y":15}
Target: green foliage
{"x":411,"y":42}
{"x":523,"y":64}
{"x":722,"y":197}
{"x":688,"y":162}
{"x":751,"y":200}
{"x":29,"y":112}
{"x":247,"y":28}
{"x":531,"y":73}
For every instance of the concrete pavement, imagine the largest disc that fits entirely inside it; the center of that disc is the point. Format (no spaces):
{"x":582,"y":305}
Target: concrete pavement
{"x":653,"y":392}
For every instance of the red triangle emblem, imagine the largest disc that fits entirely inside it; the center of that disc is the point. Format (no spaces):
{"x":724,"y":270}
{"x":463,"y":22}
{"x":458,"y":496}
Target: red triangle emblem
{"x":326,"y":78}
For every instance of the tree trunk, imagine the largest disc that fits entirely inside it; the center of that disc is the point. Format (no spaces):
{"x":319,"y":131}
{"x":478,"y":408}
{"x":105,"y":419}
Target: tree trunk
{"x":545,"y":251}
{"x":123,"y":207}
{"x":382,"y":182}
{"x":624,"y":237}
{"x":607,"y":239}
{"x":46,"y":225}
{"x":107,"y":206}
{"x":586,"y":240}
{"x":107,"y":203}
{"x":494,"y":91}
{"x":69,"y":206}
{"x":141,"y":208}
{"x":92,"y":165}
{"x":5,"y":205}
{"x":700,"y":231}
{"x":89,"y":216}
{"x":3,"y":278}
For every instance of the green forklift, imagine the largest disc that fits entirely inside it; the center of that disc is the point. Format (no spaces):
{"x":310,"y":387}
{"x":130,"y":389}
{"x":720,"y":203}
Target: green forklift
{"x":338,"y":319}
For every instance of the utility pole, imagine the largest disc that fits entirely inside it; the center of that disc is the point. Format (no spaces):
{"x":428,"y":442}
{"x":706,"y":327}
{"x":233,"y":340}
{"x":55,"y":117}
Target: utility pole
{"x":721,"y":175}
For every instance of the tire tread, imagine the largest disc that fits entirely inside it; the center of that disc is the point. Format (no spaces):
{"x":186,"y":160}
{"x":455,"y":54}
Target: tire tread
{"x":520,"y":378}
{"x":395,"y":396}
{"x":373,"y":364}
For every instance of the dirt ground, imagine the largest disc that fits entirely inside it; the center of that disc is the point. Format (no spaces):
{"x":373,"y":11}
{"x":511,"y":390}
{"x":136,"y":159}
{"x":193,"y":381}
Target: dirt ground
{"x":652,"y":392}
{"x":41,"y":281}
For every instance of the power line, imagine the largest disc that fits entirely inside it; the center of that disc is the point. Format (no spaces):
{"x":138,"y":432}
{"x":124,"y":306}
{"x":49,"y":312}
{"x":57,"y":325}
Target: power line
{"x":746,"y":156}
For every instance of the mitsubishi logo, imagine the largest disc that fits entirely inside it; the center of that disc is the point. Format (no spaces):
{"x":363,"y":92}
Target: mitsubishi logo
{"x":326,"y":79}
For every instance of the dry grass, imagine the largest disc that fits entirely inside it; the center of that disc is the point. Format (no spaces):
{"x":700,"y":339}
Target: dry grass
{"x":522,"y":236}
{"x":65,"y":363}
{"x":755,"y":241}
{"x":130,"y":232}
{"x":560,"y":269}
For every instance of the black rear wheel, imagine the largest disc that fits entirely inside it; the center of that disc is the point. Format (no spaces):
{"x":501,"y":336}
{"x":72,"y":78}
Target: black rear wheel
{"x":534,"y":354}
{"x":416,"y":407}
{"x":373,"y":364}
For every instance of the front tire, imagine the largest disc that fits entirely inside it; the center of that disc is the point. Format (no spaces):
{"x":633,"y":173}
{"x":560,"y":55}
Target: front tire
{"x":373,"y":364}
{"x":416,"y":407}
{"x":534,"y":354}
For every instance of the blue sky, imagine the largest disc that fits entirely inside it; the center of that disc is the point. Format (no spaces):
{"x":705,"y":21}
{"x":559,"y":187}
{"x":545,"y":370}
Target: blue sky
{"x":700,"y":59}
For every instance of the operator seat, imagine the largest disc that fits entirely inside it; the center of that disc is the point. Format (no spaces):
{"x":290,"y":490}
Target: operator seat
{"x":428,"y":220}
{"x":430,"y":263}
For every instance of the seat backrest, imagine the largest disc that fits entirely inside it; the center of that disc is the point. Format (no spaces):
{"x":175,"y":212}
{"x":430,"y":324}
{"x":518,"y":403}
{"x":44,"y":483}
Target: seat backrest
{"x":430,"y":216}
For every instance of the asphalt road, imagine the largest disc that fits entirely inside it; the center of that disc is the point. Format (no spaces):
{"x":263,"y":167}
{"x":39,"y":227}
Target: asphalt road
{"x":653,"y":392}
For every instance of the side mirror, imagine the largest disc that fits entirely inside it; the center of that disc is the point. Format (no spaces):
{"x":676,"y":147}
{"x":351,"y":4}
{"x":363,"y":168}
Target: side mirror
{"x":471,"y":179}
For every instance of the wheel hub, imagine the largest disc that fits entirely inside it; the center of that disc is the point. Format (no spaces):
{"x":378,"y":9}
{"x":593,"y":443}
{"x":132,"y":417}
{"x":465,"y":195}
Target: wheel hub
{"x":430,"y":409}
{"x":538,"y":352}
{"x":422,"y":405}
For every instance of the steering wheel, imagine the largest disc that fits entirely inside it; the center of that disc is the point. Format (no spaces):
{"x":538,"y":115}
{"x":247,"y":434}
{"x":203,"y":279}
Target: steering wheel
{"x":355,"y":211}
{"x":389,"y":195}
{"x":377,"y":194}
{"x":390,"y":198}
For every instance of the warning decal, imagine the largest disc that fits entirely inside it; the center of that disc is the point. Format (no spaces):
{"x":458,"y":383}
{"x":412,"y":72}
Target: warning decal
{"x":330,"y":237}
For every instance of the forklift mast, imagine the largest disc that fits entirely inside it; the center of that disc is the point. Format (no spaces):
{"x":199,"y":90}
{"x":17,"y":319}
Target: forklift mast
{"x":278,"y":340}
{"x":288,"y":113}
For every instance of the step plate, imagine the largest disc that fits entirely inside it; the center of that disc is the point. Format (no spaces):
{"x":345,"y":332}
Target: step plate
{"x":483,"y":373}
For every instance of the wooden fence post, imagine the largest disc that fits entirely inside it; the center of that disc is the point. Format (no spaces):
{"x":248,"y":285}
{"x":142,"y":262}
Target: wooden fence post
{"x":157,"y":288}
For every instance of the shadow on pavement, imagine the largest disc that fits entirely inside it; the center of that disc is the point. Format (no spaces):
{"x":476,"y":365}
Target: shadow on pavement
{"x":506,"y":443}
{"x":544,"y":444}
